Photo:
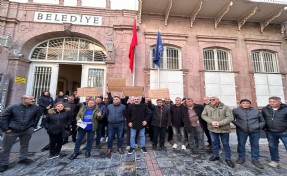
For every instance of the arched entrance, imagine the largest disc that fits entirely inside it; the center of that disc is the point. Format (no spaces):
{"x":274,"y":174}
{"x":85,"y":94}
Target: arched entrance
{"x":66,"y":64}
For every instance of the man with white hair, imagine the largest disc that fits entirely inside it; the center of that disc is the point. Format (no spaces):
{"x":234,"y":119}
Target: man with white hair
{"x":18,"y":121}
{"x":218,"y":117}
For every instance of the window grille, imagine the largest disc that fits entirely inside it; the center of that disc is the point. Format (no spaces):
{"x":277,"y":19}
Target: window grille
{"x":96,"y":77}
{"x":170,"y":59}
{"x":265,"y":62}
{"x":69,"y":49}
{"x":42,"y":80}
{"x":217,"y":60}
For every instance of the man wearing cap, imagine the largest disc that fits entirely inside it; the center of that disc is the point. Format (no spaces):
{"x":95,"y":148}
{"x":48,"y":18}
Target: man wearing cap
{"x":248,"y":122}
{"x":218,"y":117}
{"x":275,"y":115}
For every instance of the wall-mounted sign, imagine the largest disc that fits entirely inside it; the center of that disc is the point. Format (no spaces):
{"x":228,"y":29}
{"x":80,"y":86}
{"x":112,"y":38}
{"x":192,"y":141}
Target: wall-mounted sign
{"x":48,"y":17}
{"x":20,"y":80}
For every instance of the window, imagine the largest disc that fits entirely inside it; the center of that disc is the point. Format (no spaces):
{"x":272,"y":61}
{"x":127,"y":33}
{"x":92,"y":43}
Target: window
{"x":69,"y":49}
{"x":42,"y":79}
{"x":170,"y":59}
{"x":265,"y":62}
{"x":216,"y":59}
{"x":95,"y":77}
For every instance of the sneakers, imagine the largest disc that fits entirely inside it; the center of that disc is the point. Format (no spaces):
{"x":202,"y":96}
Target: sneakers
{"x":102,"y":139}
{"x":257,"y":164}
{"x":131,"y":151}
{"x":183,"y":147}
{"x":273,"y":164}
{"x":240,"y":160}
{"x":3,"y":168}
{"x":128,"y":147}
{"x":107,"y":139}
{"x":143,"y":149}
{"x":174,"y":146}
{"x":26,"y":161}
{"x":53,"y":156}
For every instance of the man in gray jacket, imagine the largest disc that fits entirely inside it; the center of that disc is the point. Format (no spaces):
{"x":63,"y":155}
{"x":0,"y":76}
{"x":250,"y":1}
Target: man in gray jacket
{"x":18,"y":121}
{"x":248,"y":122}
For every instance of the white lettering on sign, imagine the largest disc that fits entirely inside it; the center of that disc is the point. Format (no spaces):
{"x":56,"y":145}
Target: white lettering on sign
{"x":67,"y":18}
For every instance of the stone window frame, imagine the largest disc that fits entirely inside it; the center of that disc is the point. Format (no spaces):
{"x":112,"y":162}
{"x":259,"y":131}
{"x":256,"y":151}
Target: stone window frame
{"x":217,"y":59}
{"x":265,"y":61}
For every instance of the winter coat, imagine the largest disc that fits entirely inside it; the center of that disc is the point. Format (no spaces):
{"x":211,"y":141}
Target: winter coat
{"x":137,"y":113}
{"x":222,"y":114}
{"x":161,"y":115}
{"x":116,"y":113}
{"x":248,"y":119}
{"x":96,"y":118}
{"x":198,"y":108}
{"x":44,"y":102}
{"x":176,"y":113}
{"x":19,"y":118}
{"x":56,"y":122}
{"x":73,"y":109}
{"x":61,"y":99}
{"x":277,"y":121}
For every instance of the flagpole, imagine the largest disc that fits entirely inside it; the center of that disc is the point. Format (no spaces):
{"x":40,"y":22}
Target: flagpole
{"x":158,"y":77}
{"x":134,"y":67}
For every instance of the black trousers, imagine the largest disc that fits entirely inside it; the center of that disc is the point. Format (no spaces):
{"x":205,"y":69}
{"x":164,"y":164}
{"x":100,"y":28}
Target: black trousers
{"x":159,"y":131}
{"x":56,"y":142}
{"x":206,"y":131}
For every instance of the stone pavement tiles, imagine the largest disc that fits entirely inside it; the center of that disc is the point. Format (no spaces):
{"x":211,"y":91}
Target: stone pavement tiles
{"x":154,"y":163}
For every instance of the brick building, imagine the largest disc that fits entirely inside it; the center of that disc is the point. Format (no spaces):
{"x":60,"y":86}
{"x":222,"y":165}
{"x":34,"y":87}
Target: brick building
{"x":231,"y":49}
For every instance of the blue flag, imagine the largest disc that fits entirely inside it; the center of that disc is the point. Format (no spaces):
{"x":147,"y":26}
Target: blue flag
{"x":158,"y":50}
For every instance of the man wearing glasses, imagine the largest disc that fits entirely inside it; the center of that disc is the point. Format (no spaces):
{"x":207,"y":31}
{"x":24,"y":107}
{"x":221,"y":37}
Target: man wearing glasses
{"x":218,"y":117}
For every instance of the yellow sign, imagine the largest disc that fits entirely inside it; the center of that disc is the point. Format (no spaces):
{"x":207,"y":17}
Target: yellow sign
{"x":20,"y":80}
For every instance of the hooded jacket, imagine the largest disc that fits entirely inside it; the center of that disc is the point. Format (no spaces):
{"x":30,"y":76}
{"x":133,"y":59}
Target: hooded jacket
{"x":275,"y":121}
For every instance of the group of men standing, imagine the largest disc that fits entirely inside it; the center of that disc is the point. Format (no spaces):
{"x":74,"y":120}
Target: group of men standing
{"x":189,"y":122}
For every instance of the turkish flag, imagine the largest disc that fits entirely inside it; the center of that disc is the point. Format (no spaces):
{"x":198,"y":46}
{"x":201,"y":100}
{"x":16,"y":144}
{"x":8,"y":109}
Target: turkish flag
{"x":133,"y":44}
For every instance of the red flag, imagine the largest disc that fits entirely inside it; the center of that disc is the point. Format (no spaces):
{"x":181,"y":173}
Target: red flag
{"x":133,"y":44}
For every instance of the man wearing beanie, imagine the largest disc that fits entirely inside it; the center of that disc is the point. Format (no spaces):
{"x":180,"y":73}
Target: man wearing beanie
{"x":248,"y":122}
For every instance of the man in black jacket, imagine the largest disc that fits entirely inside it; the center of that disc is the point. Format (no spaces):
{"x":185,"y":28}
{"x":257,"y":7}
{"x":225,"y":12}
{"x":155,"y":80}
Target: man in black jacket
{"x":160,"y":122}
{"x":176,"y":112}
{"x":137,"y":121}
{"x":275,"y":115}
{"x":18,"y":120}
{"x":248,"y":122}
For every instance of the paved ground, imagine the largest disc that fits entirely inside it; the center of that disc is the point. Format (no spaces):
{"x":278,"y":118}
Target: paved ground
{"x":169,"y":162}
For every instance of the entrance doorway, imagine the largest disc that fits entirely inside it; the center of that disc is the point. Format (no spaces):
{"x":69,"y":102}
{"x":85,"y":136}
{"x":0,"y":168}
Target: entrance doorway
{"x":69,"y":78}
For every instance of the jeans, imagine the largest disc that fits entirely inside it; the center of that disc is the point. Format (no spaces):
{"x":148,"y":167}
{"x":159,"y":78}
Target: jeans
{"x":254,"y":143}
{"x":8,"y":142}
{"x":196,"y":133}
{"x":115,"y":128}
{"x":273,"y":141}
{"x":224,"y":137}
{"x":133,"y":137}
{"x":81,"y":135}
{"x":56,"y":142}
{"x":99,"y":132}
{"x":178,"y":135}
{"x":159,"y":131}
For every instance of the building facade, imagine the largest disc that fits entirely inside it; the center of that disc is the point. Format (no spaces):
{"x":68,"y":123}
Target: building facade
{"x":230,"y":49}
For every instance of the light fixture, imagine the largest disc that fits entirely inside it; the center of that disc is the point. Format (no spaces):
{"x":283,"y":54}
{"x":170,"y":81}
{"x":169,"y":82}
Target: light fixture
{"x":6,"y":41}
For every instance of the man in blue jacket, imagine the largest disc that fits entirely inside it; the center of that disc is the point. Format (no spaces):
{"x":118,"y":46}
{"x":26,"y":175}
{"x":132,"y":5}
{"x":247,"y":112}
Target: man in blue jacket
{"x":18,"y":121}
{"x":116,"y":114}
{"x":275,"y":115}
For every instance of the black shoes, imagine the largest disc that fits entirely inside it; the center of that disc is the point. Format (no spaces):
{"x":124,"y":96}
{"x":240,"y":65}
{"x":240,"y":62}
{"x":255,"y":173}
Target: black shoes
{"x":163,"y":148}
{"x":230,"y":163}
{"x":240,"y":160}
{"x":73,"y":156}
{"x":87,"y":154}
{"x":109,"y":152}
{"x":214,"y":158}
{"x":26,"y":161}
{"x":143,"y":149}
{"x":257,"y":164}
{"x":131,"y":150}
{"x":154,"y":147}
{"x":3,"y":168}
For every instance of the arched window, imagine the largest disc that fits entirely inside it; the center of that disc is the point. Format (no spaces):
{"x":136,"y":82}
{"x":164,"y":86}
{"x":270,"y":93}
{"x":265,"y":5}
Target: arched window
{"x":69,"y":50}
{"x":170,"y":58}
{"x":217,"y":59}
{"x":265,"y":61}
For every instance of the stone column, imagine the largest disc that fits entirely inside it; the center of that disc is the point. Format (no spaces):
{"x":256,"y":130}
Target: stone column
{"x":79,"y":2}
{"x":108,"y":4}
